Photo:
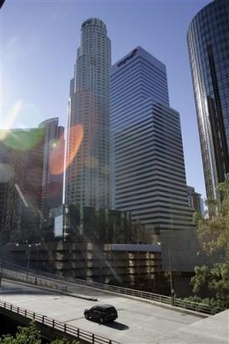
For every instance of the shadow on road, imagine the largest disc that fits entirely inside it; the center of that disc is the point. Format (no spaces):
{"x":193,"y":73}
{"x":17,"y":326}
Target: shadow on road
{"x":117,"y":326}
{"x":18,"y":291}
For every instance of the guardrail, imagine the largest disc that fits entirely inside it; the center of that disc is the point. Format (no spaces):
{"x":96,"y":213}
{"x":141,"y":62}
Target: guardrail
{"x":57,"y":325}
{"x":65,"y":284}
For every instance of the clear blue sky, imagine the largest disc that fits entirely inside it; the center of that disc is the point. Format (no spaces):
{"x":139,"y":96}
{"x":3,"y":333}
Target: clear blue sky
{"x":38,"y":44}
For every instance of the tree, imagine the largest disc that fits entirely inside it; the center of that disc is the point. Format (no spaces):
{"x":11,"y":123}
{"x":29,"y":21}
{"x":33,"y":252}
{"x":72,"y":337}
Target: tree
{"x":25,"y":335}
{"x":212,"y":283}
{"x":213,"y":230}
{"x":64,"y":341}
{"x":140,"y":234}
{"x":30,"y":335}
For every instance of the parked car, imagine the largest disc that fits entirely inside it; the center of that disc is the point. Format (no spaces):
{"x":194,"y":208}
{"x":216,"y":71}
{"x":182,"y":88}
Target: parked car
{"x":101,"y":313}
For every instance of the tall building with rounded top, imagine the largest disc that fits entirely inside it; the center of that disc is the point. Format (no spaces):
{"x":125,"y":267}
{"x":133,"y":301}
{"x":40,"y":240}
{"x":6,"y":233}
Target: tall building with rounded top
{"x":88,"y":152}
{"x":208,"y":44}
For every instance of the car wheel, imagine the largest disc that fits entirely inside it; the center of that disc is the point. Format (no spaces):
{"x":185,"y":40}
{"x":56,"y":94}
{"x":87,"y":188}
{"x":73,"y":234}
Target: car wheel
{"x":86,"y":316}
{"x":101,"y":320}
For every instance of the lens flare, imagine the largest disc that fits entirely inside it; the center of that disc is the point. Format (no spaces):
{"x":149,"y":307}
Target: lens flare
{"x":23,"y":140}
{"x":76,"y":132}
{"x":56,"y":161}
{"x":56,"y":158}
{"x":11,"y":119}
{"x":21,"y":196}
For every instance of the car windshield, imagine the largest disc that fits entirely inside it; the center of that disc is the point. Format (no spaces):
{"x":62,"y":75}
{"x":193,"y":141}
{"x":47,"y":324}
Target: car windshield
{"x":114,"y":165}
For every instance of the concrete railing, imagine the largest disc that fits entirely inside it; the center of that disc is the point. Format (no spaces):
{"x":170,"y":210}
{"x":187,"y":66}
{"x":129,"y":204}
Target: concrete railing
{"x":67,"y":284}
{"x":57,"y":325}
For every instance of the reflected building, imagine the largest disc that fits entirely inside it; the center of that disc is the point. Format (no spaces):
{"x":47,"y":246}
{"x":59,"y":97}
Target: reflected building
{"x":22,"y":151}
{"x":88,"y":136}
{"x":195,"y":200}
{"x":28,"y":185}
{"x":53,"y":166}
{"x":208,"y":44}
{"x":8,"y":193}
{"x":148,"y":177}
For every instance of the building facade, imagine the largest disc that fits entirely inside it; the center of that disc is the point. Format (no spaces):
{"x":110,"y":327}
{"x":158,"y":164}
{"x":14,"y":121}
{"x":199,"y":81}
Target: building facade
{"x":132,"y":266}
{"x":31,"y":181}
{"x":8,"y":192}
{"x":22,"y":153}
{"x":147,"y":152}
{"x":88,"y":136}
{"x":195,"y":200}
{"x":77,"y":223}
{"x":208,"y":43}
{"x":53,"y":166}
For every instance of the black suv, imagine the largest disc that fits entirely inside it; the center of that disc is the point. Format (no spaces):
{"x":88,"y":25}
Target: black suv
{"x":102,"y":313}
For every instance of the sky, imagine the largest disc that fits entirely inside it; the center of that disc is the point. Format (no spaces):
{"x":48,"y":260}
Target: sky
{"x":38,"y":44}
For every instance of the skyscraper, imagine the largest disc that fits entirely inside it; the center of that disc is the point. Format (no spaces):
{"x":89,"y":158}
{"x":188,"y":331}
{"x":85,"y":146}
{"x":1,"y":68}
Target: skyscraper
{"x":147,"y":153}
{"x":53,"y":166}
{"x":208,"y":43}
{"x":88,"y":136}
{"x":31,"y":182}
{"x":195,"y":201}
{"x":22,"y":154}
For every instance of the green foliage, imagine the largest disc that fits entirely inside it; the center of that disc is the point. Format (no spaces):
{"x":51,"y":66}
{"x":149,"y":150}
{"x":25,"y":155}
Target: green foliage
{"x":25,"y":335}
{"x":213,"y":282}
{"x":209,"y":301}
{"x":200,"y":281}
{"x":213,"y":230}
{"x":30,"y":335}
{"x":64,"y":341}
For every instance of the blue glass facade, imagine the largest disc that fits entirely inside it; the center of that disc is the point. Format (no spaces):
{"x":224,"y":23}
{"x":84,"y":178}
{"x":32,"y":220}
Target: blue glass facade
{"x":147,"y":152}
{"x":208,"y":43}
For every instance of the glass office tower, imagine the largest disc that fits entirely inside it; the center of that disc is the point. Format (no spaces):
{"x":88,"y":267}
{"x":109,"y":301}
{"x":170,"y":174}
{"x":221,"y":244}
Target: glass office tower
{"x":147,"y":152}
{"x":53,"y":166}
{"x":88,"y":169}
{"x":208,"y":43}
